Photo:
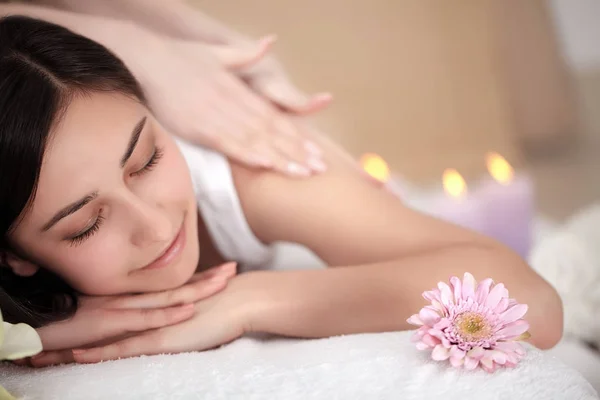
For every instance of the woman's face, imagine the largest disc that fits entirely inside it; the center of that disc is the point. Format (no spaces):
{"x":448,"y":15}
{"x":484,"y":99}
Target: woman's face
{"x":114,"y":210}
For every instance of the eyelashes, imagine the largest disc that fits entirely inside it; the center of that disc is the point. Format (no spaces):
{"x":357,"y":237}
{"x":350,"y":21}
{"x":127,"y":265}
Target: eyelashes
{"x":152,"y":162}
{"x":92,"y":230}
{"x":80,"y":238}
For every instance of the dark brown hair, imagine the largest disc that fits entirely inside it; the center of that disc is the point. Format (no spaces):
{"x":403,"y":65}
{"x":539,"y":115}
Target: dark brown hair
{"x":42,"y":66}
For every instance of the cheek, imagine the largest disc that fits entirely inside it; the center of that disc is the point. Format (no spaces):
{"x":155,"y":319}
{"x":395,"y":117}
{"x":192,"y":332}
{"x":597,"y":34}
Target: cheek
{"x":94,"y":268}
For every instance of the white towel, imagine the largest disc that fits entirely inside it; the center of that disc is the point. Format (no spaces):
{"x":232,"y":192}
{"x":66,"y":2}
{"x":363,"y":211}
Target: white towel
{"x":369,"y":366}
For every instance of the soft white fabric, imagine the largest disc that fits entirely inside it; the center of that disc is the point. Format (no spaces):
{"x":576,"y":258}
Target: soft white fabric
{"x":375,"y":366}
{"x":221,"y":210}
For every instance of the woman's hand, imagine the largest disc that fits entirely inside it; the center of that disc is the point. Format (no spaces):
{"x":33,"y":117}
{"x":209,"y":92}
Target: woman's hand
{"x":217,"y":320}
{"x":109,"y":318}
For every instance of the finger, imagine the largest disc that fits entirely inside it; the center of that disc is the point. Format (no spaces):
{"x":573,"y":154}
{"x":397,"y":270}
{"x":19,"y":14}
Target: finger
{"x":148,"y":343}
{"x":109,"y":323}
{"x":186,"y":294}
{"x":227,"y":270}
{"x":294,"y":149}
{"x":236,"y":58}
{"x":284,"y":94}
{"x":21,"y":362}
{"x":48,"y":358}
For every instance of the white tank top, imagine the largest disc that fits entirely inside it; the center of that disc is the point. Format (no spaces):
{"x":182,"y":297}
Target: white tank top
{"x":221,"y":210}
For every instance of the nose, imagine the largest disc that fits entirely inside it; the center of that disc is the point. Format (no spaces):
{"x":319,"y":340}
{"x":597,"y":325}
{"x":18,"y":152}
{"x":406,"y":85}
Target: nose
{"x":150,"y":222}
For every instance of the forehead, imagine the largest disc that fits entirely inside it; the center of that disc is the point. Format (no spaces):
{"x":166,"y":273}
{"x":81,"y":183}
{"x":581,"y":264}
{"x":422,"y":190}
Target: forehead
{"x":84,"y":150}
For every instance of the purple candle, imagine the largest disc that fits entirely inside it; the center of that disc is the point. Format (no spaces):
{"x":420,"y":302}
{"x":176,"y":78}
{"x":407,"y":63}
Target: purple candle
{"x":457,"y":205}
{"x":507,"y":201}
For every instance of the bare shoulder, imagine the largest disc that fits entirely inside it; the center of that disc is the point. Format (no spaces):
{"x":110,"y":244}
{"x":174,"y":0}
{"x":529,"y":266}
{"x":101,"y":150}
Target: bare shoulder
{"x":340,"y":214}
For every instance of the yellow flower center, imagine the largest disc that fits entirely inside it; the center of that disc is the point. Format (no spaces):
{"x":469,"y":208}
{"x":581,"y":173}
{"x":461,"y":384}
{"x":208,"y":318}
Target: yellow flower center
{"x":472,"y":326}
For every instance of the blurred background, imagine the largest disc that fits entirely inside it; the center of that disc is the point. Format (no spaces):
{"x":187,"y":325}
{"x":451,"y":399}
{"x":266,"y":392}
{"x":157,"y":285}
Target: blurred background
{"x":433,"y":84}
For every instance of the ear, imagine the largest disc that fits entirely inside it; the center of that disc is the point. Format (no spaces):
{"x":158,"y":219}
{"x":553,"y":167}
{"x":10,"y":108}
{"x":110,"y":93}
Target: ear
{"x":19,"y":266}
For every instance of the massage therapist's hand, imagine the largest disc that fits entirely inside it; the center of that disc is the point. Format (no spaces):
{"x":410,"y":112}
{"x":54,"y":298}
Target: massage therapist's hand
{"x":218,"y":320}
{"x":192,"y":91}
{"x":109,"y":318}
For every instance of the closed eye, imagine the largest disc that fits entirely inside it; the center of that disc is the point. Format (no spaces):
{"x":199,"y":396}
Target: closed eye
{"x":152,"y":162}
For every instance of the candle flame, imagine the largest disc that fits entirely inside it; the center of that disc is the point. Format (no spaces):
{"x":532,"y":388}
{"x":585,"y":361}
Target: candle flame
{"x":454,"y":183}
{"x":375,"y":166}
{"x":499,"y":168}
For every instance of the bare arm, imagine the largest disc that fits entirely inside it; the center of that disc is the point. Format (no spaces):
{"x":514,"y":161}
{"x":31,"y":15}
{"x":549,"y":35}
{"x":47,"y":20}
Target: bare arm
{"x":386,"y":256}
{"x":173,"y":18}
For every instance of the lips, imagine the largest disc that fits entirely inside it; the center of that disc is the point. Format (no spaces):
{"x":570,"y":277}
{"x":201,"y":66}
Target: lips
{"x":171,"y":253}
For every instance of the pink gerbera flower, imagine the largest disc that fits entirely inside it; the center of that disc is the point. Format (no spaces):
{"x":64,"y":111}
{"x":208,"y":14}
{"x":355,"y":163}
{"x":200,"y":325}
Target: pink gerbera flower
{"x":471,"y":326}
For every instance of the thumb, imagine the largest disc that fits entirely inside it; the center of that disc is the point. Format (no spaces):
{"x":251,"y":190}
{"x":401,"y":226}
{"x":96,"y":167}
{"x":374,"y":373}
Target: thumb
{"x":283,"y":93}
{"x":237,"y":58}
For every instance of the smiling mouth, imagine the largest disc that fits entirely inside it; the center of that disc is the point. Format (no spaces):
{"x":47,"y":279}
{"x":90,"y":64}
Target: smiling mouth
{"x":171,"y":253}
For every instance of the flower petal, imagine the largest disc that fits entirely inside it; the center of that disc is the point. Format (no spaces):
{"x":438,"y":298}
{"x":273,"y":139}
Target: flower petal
{"x":428,"y":316}
{"x":456,"y":362}
{"x":483,"y":289}
{"x":502,"y":306}
{"x":415,"y":320}
{"x":430,"y":340}
{"x":455,"y":352}
{"x":456,"y":285}
{"x":422,"y":346}
{"x":488,"y":364}
{"x":514,"y":313}
{"x":476,"y":353}
{"x":471,"y":363}
{"x":431,"y":295}
{"x":440,"y":353}
{"x":513,"y":330}
{"x":442,"y":324}
{"x":468,"y":286}
{"x":495,"y":296}
{"x":498,"y":356}
{"x":446,"y":294}
{"x":20,"y":341}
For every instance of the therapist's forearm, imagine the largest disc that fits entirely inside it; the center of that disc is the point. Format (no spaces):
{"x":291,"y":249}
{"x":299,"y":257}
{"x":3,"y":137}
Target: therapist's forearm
{"x":173,"y":18}
{"x":112,"y":34}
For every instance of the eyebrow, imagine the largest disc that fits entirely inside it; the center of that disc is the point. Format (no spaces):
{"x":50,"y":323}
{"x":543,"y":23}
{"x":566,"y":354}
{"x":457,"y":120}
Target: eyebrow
{"x":79,"y":204}
{"x":133,"y":141}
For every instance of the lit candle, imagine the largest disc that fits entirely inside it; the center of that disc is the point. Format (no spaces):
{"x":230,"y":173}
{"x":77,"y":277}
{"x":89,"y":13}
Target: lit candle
{"x":508,"y":205}
{"x":377,"y":168}
{"x":457,"y":205}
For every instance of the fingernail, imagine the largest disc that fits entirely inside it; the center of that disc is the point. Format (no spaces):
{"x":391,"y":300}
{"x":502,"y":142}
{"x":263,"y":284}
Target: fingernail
{"x":78,"y":351}
{"x":312,"y":148}
{"x":296,"y":169}
{"x":317,"y":165}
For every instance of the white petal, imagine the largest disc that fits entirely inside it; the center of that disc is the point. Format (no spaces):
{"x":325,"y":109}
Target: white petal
{"x":20,"y":341}
{"x":440,"y":353}
{"x":487,"y":362}
{"x":4,"y":395}
{"x":498,"y":356}
{"x":456,"y":362}
{"x":422,"y":346}
{"x":502,"y":306}
{"x":514,"y":313}
{"x":495,"y":296}
{"x":455,"y":352}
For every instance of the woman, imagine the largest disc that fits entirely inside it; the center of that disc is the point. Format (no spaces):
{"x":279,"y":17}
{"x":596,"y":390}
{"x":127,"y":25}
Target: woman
{"x":98,"y":195}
